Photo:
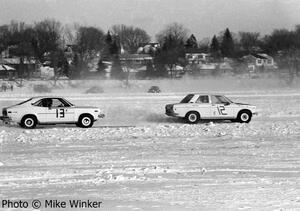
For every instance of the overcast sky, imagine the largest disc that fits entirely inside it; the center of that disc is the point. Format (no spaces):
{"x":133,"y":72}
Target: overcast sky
{"x":204,"y":18}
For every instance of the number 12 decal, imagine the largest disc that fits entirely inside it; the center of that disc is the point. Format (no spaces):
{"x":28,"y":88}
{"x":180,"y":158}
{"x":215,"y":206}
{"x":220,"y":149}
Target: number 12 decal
{"x":221,"y":110}
{"x":60,"y":113}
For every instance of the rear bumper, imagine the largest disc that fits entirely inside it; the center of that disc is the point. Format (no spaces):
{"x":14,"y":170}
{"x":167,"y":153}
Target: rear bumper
{"x":171,"y":113}
{"x":255,"y":113}
{"x":5,"y":118}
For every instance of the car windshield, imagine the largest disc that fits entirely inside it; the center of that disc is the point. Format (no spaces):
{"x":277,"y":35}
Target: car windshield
{"x":228,"y":99}
{"x":24,"y":101}
{"x":187,"y":98}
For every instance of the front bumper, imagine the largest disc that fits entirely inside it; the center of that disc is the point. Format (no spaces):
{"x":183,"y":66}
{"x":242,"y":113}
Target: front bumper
{"x":101,"y":116}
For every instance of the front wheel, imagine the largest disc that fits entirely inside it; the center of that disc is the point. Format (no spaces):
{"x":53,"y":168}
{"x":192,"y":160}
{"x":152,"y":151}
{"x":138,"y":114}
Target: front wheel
{"x":28,"y":122}
{"x":85,"y":121}
{"x":244,"y":117}
{"x":192,"y":117}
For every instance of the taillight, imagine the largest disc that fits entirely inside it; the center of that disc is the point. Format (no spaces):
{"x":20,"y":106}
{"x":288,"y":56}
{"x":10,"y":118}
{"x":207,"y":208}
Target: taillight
{"x":4,"y":112}
{"x":169,"y":107}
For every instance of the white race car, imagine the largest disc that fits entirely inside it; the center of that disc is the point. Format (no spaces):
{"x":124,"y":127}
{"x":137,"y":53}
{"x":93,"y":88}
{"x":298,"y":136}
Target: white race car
{"x":50,"y":110}
{"x":207,"y":106}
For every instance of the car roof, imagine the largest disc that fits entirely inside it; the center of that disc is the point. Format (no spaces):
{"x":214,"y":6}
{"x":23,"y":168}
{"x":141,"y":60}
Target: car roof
{"x":206,"y":94}
{"x":41,"y":97}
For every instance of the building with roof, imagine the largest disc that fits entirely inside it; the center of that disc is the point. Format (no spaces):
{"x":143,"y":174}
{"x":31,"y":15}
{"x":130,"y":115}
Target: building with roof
{"x":139,"y":59}
{"x":197,"y":58}
{"x":259,"y":62}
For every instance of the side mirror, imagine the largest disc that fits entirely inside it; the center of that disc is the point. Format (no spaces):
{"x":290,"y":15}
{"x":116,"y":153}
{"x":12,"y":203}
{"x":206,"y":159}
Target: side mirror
{"x":226,"y":104}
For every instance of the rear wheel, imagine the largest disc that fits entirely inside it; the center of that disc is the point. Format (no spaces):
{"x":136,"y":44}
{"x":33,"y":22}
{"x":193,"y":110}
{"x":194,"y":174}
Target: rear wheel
{"x":85,"y":121}
{"x":192,"y":117}
{"x":244,"y":117}
{"x":28,"y":122}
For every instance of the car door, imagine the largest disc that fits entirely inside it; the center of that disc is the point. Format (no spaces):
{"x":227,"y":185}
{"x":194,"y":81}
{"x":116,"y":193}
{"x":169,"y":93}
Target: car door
{"x":221,"y":108}
{"x":203,"y":106}
{"x":60,"y":112}
{"x":41,"y":110}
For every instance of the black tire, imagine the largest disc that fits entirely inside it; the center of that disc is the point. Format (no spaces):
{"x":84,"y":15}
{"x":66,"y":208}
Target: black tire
{"x":28,"y":122}
{"x":244,"y":116}
{"x":192,"y":117}
{"x":85,"y":121}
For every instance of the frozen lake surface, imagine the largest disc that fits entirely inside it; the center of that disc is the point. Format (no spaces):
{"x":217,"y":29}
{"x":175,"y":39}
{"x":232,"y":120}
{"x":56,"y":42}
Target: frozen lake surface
{"x":139,"y":159}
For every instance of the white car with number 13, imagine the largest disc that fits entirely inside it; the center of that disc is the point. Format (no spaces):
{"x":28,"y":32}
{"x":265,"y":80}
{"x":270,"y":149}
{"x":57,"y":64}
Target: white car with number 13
{"x":50,"y":110}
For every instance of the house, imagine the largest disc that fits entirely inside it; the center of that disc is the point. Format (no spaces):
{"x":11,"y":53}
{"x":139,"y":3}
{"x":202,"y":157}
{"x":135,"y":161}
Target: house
{"x":259,"y":62}
{"x":148,"y":48}
{"x":197,"y":58}
{"x":225,"y":68}
{"x":132,"y":64}
{"x":24,"y":66}
{"x":29,"y":66}
{"x":136,"y":59}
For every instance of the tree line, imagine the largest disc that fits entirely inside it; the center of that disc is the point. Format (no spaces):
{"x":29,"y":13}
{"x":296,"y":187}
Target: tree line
{"x":46,"y":41}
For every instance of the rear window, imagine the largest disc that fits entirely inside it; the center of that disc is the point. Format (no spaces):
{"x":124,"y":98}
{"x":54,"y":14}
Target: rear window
{"x":24,"y":101}
{"x":187,"y":98}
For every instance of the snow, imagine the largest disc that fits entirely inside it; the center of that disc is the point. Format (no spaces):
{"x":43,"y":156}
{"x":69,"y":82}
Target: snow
{"x":138,"y":158}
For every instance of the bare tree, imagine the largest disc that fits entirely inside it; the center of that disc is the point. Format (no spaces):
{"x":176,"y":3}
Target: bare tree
{"x":69,"y":33}
{"x":48,"y":35}
{"x":130,"y":37}
{"x":89,"y":43}
{"x":172,"y":53}
{"x":4,"y":37}
{"x":204,"y":44}
{"x":176,"y":30}
{"x":249,"y":40}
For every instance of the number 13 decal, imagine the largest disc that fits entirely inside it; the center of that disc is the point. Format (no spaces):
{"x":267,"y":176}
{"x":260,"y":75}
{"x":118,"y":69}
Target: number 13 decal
{"x":60,"y":113}
{"x":221,"y":110}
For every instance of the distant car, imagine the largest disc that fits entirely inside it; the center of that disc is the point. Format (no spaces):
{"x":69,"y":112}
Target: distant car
{"x":207,"y":106}
{"x":50,"y":110}
{"x":154,"y":89}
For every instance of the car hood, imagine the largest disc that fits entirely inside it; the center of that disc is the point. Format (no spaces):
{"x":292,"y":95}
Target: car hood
{"x":86,"y":107}
{"x":176,"y":104}
{"x":242,"y":104}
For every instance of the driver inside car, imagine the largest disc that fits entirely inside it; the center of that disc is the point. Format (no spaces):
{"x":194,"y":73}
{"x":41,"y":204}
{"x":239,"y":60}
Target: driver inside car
{"x":48,"y":102}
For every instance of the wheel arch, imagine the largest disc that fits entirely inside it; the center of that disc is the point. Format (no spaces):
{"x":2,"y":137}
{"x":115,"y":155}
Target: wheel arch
{"x":26,"y":115}
{"x":85,"y":114}
{"x":194,"y":111}
{"x":244,"y":110}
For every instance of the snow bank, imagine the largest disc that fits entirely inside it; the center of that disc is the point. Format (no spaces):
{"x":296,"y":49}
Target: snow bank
{"x":216,"y":129}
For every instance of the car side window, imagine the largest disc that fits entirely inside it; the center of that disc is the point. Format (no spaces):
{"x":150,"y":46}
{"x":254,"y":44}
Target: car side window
{"x":41,"y":103}
{"x":202,"y":99}
{"x":222,"y":99}
{"x":215,"y":100}
{"x":218,"y":99}
{"x":58,"y":103}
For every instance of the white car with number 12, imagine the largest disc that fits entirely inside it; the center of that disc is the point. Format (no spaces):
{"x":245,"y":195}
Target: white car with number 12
{"x":207,"y":106}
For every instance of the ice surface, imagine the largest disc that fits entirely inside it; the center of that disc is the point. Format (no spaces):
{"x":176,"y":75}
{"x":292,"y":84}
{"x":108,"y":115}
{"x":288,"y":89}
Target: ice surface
{"x":138,"y":158}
